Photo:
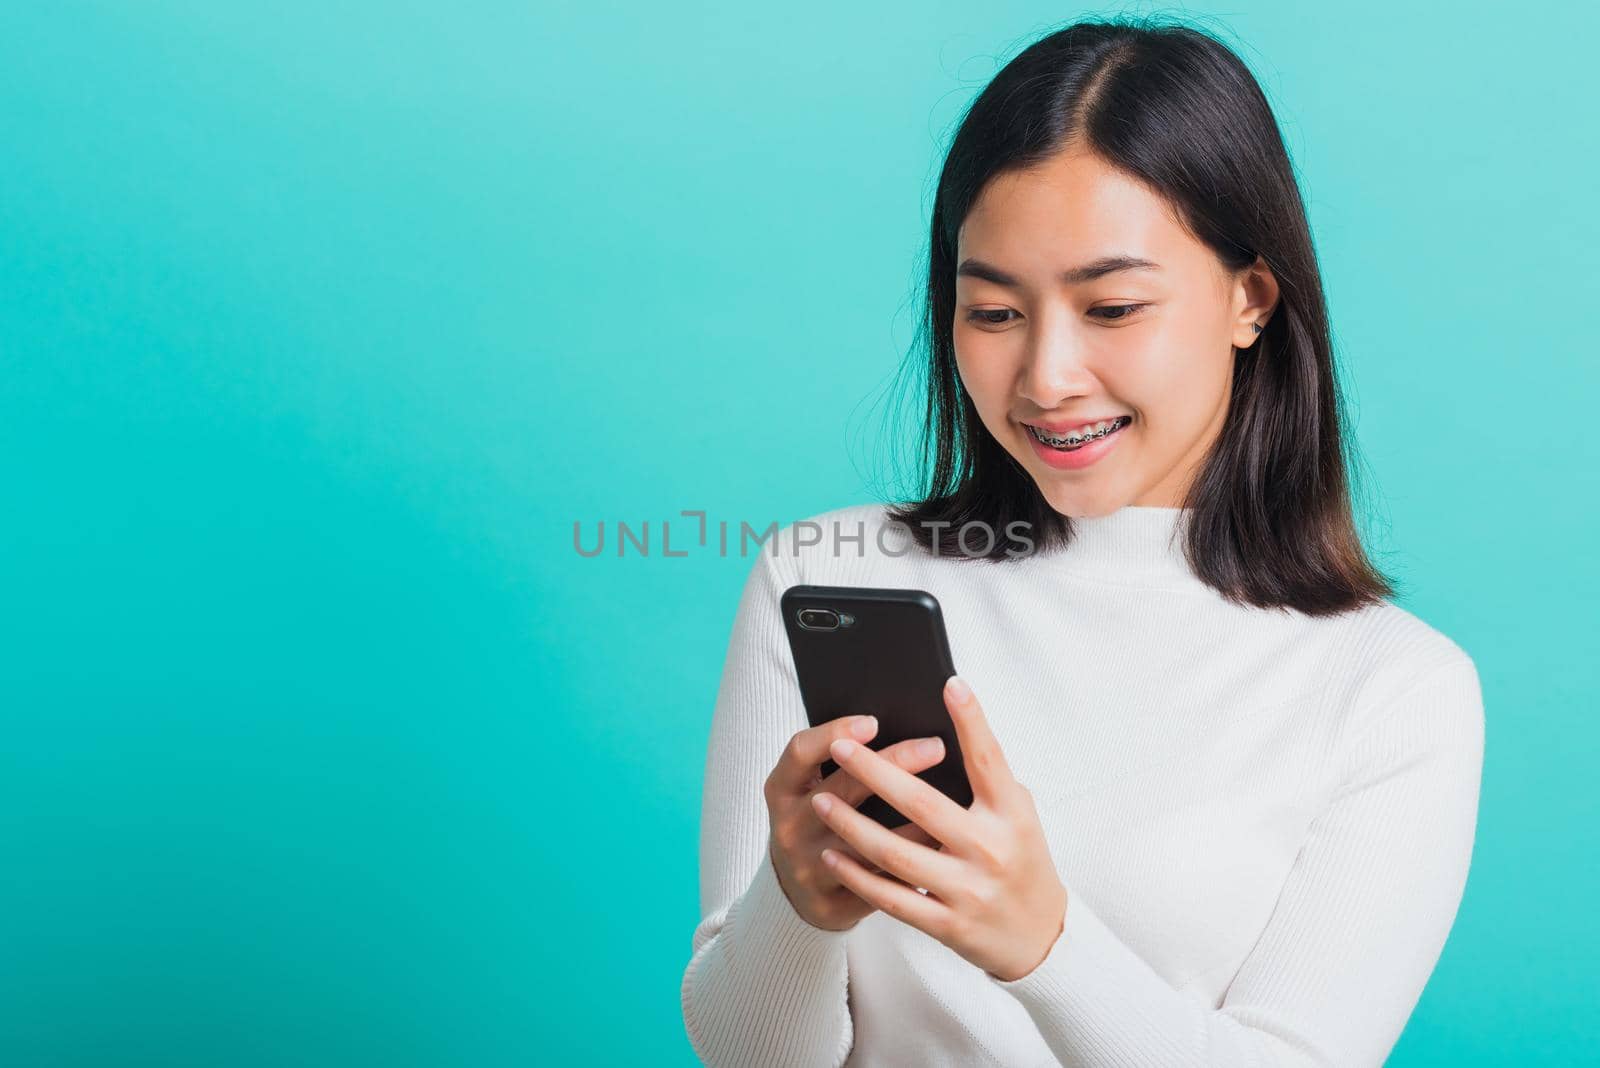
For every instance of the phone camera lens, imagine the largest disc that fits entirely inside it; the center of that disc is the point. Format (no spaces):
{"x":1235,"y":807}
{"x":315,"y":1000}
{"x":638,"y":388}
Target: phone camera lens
{"x":819,"y":619}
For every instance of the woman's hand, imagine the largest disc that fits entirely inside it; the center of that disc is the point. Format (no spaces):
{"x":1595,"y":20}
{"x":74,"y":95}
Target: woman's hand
{"x":993,"y":893}
{"x":798,"y":837}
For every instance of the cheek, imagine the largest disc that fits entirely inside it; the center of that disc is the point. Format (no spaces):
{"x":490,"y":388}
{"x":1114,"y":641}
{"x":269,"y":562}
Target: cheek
{"x":986,"y":382}
{"x":1169,"y":380}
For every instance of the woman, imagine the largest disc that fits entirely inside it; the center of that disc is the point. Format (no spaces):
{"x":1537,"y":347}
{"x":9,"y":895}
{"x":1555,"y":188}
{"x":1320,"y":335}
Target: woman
{"x":1224,"y":791}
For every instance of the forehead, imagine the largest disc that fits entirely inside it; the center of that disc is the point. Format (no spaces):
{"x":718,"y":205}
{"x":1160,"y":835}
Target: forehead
{"x":1069,"y":209}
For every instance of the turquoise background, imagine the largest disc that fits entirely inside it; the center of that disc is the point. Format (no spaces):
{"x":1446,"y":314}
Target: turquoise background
{"x":321,"y":325}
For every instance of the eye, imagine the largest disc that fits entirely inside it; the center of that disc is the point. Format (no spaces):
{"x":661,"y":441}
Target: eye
{"x":979,"y":316}
{"x":1119,"y":313}
{"x":1128,"y":311}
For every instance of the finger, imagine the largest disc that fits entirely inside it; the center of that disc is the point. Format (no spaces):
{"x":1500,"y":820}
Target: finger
{"x":907,"y":754}
{"x":920,"y":802}
{"x":841,"y":780}
{"x":909,"y":831}
{"x":918,"y":835}
{"x":986,"y":765}
{"x":877,"y":845}
{"x":796,"y":771}
{"x":903,"y":902}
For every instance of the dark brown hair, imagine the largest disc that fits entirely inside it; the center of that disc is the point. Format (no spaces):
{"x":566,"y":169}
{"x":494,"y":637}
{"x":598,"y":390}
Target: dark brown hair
{"x":1176,"y":108}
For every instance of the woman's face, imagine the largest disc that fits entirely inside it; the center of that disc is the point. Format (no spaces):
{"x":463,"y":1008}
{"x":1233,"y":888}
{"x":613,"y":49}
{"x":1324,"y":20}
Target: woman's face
{"x":1043,"y":337}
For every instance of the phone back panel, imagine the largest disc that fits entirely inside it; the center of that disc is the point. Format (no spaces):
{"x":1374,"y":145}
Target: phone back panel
{"x":891,"y":661}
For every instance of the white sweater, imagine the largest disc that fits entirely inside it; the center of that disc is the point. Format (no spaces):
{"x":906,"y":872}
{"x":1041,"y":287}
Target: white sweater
{"x":1263,"y":819}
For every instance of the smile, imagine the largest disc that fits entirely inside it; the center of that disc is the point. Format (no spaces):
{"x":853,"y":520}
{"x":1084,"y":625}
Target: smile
{"x":1079,"y":437}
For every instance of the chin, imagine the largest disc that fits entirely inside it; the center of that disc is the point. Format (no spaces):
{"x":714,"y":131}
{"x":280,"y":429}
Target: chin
{"x":1080,"y":505}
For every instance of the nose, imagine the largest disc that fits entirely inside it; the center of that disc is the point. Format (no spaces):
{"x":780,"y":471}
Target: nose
{"x":1055,"y":368}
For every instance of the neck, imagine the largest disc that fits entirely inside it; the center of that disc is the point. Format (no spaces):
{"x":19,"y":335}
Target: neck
{"x":1135,"y":545}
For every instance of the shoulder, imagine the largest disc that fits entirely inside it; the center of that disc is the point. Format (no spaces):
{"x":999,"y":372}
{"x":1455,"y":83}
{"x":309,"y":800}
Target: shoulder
{"x":1389,"y":658}
{"x":846,"y":545}
{"x":1387,"y":640}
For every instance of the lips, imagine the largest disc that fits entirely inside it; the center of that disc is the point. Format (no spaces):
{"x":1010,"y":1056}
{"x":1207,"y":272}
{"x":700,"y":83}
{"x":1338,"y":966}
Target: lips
{"x":1083,"y":435}
{"x":1059,"y":427}
{"x":1078,"y":457}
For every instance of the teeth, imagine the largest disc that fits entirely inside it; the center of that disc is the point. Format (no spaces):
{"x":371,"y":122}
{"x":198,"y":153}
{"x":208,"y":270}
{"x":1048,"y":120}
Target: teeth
{"x":1077,"y":435}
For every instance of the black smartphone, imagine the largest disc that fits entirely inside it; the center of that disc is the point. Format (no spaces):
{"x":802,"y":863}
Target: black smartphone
{"x":861,"y":650}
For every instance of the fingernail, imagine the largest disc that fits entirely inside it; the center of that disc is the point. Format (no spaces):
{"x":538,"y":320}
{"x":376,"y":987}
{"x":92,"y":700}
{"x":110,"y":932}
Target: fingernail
{"x":864,"y":727}
{"x":842,"y":748}
{"x":822,"y":802}
{"x":957,"y":687}
{"x":930,"y":747}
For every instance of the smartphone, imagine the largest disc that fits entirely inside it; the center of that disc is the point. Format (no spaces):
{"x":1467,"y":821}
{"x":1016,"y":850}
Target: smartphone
{"x":861,"y":650}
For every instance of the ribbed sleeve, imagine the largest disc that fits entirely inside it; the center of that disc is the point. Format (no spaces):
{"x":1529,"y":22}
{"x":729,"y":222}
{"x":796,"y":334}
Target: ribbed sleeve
{"x":763,"y":986}
{"x":1359,"y":925}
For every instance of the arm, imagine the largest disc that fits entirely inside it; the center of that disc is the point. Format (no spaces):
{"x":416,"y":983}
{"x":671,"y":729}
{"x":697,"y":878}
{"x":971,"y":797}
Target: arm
{"x":763,"y":986}
{"x":1357,"y":930}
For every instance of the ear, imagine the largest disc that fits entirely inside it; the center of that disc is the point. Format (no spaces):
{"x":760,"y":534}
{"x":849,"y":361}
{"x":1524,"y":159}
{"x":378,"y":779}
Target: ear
{"x":1256,"y":297}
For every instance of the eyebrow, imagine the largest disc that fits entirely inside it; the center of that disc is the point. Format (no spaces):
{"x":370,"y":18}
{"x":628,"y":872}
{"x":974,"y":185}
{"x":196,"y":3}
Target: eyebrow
{"x":1088,"y":272}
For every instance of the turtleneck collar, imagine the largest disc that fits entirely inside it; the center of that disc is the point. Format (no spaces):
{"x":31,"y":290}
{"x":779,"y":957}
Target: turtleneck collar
{"x":1134,"y":545}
